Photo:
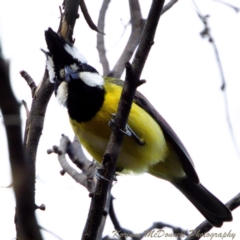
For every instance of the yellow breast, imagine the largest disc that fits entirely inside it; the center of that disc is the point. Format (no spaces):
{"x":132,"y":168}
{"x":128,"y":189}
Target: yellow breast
{"x":94,"y":134}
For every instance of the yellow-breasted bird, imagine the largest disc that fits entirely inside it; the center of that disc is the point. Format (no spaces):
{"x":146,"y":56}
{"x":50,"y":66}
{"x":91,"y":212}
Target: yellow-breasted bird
{"x":151,"y":145}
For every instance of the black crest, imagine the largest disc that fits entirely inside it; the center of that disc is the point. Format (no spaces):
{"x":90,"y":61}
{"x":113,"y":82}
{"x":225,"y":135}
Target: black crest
{"x":56,"y":45}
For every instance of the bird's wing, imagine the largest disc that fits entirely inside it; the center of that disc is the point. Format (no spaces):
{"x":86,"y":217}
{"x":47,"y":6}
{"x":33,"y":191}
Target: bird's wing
{"x":168,"y":132}
{"x":170,"y":136}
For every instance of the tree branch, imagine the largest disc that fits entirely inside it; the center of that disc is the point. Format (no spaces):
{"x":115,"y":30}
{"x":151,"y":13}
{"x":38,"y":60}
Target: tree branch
{"x":168,"y":6}
{"x":116,"y":223}
{"x":100,"y":38}
{"x":76,"y":154}
{"x":236,"y":9}
{"x":123,"y":234}
{"x":26,"y":223}
{"x":88,"y":17}
{"x":45,"y":90}
{"x":207,"y":33}
{"x":87,"y":177}
{"x":137,"y":23}
{"x":29,"y":81}
{"x":147,"y":37}
{"x":23,"y":167}
{"x":68,"y":19}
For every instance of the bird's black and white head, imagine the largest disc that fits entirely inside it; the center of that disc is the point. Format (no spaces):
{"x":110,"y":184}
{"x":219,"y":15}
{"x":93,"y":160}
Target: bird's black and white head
{"x":78,"y":86}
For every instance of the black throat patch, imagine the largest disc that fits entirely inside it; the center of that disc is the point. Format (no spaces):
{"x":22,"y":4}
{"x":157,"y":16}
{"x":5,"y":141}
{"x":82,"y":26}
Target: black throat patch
{"x":83,"y":101}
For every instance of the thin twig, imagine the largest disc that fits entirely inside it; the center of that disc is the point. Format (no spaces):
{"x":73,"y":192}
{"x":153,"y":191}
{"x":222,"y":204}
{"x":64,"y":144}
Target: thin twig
{"x":100,"y":38}
{"x":26,"y":108}
{"x":168,"y":6}
{"x":87,"y":177}
{"x":147,"y":37}
{"x":68,"y":19}
{"x":122,"y":233}
{"x":88,"y":17}
{"x":29,"y":81}
{"x":137,"y":26}
{"x":205,"y":226}
{"x":45,"y":90}
{"x":50,"y":232}
{"x":27,"y":123}
{"x":76,"y":154}
{"x":8,"y":186}
{"x":118,"y":229}
{"x":207,"y":33}
{"x":236,"y":9}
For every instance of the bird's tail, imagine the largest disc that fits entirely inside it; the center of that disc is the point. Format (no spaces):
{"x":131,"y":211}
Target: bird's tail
{"x":210,"y":207}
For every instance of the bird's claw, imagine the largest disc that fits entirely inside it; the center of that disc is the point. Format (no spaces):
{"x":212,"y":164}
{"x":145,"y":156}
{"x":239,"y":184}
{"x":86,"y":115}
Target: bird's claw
{"x":101,"y":177}
{"x":128,"y":131}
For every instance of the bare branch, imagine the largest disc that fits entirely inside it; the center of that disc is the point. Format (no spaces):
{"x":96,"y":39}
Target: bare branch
{"x":27,"y":123}
{"x":88,"y":17}
{"x":29,"y":81}
{"x":76,"y":154}
{"x":26,"y":108}
{"x":50,"y":232}
{"x":8,"y":186}
{"x":45,"y":90}
{"x":42,"y":207}
{"x":87,"y":177}
{"x":100,"y":38}
{"x":207,"y":33}
{"x":137,"y":25}
{"x":205,"y":226}
{"x":116,"y":224}
{"x":24,"y":169}
{"x":26,"y":222}
{"x":236,"y":9}
{"x":68,"y":19}
{"x":122,"y":233}
{"x":147,"y":37}
{"x":168,"y":6}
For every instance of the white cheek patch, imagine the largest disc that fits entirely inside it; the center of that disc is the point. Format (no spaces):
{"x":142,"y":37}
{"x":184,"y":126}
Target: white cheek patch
{"x":62,"y":93}
{"x":91,"y":79}
{"x":75,"y":53}
{"x":50,"y":68}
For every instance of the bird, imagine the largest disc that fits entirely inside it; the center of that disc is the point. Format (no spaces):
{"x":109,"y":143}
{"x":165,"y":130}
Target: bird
{"x":150,"y":145}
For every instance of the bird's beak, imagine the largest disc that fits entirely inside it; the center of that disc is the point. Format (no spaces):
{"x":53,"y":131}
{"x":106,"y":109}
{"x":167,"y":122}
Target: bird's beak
{"x":70,"y":74}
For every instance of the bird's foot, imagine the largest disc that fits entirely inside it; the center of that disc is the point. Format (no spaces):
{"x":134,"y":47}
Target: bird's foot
{"x":100,"y":176}
{"x":128,"y":131}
